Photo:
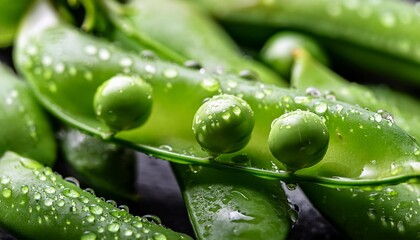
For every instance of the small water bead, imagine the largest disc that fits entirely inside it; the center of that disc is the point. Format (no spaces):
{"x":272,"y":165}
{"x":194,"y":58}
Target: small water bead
{"x":90,"y":190}
{"x":210,"y":84}
{"x":48,"y":202}
{"x":372,"y":213}
{"x":4,"y":180}
{"x":159,"y":236}
{"x":46,"y":61}
{"x":388,"y":19}
{"x":150,"y":69}
{"x":113,"y":227}
{"x":321,"y":107}
{"x":148,"y":55}
{"x":248,"y":75}
{"x":49,"y":189}
{"x":68,"y":192}
{"x":90,"y":50}
{"x":193,"y":64}
{"x":24,"y":189}
{"x":73,"y":180}
{"x":166,"y":148}
{"x":152,"y":218}
{"x":59,"y":68}
{"x":112,"y":202}
{"x":104,"y":54}
{"x":88,"y":75}
{"x":313,"y":92}
{"x":170,"y":73}
{"x":88,"y":236}
{"x":126,"y":62}
{"x":96,"y":209}
{"x":6,"y":192}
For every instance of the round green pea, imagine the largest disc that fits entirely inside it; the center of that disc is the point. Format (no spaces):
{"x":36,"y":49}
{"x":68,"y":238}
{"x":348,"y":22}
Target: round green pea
{"x":123,"y":102}
{"x":223,"y":124}
{"x":279,"y":51}
{"x":298,"y":139}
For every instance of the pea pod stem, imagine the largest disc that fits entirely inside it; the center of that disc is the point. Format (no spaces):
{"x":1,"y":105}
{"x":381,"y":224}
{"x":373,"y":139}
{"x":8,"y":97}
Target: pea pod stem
{"x":171,"y":83}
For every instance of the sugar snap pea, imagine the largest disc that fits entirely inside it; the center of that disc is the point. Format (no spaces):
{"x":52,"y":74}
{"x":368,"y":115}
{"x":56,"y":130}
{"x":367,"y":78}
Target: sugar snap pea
{"x":105,"y":167}
{"x":91,"y":61}
{"x":10,"y":13}
{"x":379,"y":36}
{"x":25,"y":126}
{"x":231,"y":205}
{"x":39,"y":204}
{"x":149,"y":25}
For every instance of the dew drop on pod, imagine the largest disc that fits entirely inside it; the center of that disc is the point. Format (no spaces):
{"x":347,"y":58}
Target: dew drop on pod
{"x":298,"y":139}
{"x":123,"y":102}
{"x":223,"y":124}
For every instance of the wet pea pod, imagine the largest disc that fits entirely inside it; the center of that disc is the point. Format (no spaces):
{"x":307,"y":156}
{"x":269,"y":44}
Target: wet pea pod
{"x":10,"y":14}
{"x":37,"y":203}
{"x":25,"y":126}
{"x":378,"y":36}
{"x":57,"y":74}
{"x":147,"y":25}
{"x":105,"y":167}
{"x":230,"y":205}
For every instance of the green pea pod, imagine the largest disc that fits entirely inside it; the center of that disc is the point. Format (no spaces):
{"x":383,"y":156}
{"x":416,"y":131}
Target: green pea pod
{"x":379,"y":36}
{"x":25,"y":127}
{"x":10,"y":14}
{"x":106,"y":167}
{"x":37,"y":203}
{"x":151,"y":24}
{"x":355,"y":140}
{"x":308,"y":73}
{"x":389,"y":212}
{"x":230,"y":205}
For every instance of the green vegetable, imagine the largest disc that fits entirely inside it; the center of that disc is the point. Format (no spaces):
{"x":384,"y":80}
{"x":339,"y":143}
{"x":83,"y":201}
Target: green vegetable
{"x":37,"y":203}
{"x":231,"y":205}
{"x":105,"y":167}
{"x":123,"y":102}
{"x":147,"y":25}
{"x":379,"y":36}
{"x":279,"y":50}
{"x":298,"y":139}
{"x":10,"y":14}
{"x":355,"y":140}
{"x":25,"y":126}
{"x":223,"y":124}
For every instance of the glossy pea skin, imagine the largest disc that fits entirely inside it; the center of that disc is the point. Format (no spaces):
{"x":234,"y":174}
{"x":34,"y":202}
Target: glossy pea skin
{"x":106,"y":167}
{"x":123,"y":102}
{"x":25,"y":126}
{"x":298,"y":139}
{"x":223,"y":124}
{"x":96,"y":60}
{"x":279,"y":49}
{"x":36,"y":203}
{"x":10,"y":14}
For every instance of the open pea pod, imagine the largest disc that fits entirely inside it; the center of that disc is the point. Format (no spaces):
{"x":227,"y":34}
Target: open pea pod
{"x":25,"y":126}
{"x":356,"y":152}
{"x":379,"y":36}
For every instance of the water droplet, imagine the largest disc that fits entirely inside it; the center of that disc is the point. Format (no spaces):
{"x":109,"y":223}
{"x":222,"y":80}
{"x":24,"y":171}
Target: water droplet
{"x":91,"y":191}
{"x":388,"y":19}
{"x":104,"y":54}
{"x":48,"y":202}
{"x":386,"y":115}
{"x":236,"y":216}
{"x":170,"y":73}
{"x":210,"y":84}
{"x":88,"y":236}
{"x":147,"y":54}
{"x":192,"y":64}
{"x":91,"y":50}
{"x":126,"y":62}
{"x":68,"y":192}
{"x":248,"y":75}
{"x":6,"y":193}
{"x":150,"y":69}
{"x":371,"y":213}
{"x":113,"y":227}
{"x":72,"y":180}
{"x":301,"y":99}
{"x":30,"y":164}
{"x":5,"y":180}
{"x":166,"y":148}
{"x":291,"y":186}
{"x":152,"y":218}
{"x":128,"y":232}
{"x":49,"y":189}
{"x":236,"y":110}
{"x":377,"y":117}
{"x":46,"y":61}
{"x":24,"y":189}
{"x":294,"y":215}
{"x":226,"y":115}
{"x":159,"y":236}
{"x":95,"y":209}
{"x":313,"y":92}
{"x":321,"y":107}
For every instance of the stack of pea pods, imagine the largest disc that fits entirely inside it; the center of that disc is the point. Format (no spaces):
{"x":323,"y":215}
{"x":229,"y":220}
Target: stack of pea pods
{"x":244,"y":99}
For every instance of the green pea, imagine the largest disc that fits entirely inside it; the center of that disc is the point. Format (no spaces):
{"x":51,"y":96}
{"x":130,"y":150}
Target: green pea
{"x":223,"y":124}
{"x":298,"y":139}
{"x":123,"y":102}
{"x":279,"y":50}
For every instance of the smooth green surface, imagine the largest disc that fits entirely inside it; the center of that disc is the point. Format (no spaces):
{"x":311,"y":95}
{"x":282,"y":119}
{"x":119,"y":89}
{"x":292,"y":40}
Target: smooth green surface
{"x":38,"y":204}
{"x":380,"y":36}
{"x":25,"y":127}
{"x":182,"y":31}
{"x":298,"y":139}
{"x":10,"y":14}
{"x":231,"y":205}
{"x":105,"y":167}
{"x":123,"y":102}
{"x":223,"y":124}
{"x":355,"y":139}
